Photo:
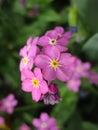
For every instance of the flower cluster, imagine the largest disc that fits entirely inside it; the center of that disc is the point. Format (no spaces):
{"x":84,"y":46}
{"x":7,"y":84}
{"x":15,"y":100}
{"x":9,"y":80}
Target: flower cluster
{"x":45,"y":59}
{"x":8,"y":103}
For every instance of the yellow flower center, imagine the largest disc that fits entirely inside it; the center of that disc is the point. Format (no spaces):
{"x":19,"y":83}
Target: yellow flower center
{"x":43,"y":125}
{"x":25,"y":60}
{"x":54,"y":64}
{"x":53,"y":41}
{"x":79,"y":69}
{"x":35,"y":82}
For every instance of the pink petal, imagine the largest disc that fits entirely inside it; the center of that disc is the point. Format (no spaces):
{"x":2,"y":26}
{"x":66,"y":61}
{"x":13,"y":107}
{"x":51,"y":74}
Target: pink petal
{"x":49,"y":73}
{"x":43,"y":87}
{"x":44,"y":40}
{"x":23,"y":51}
{"x":38,"y":74}
{"x":27,"y":85}
{"x":36,"y":94}
{"x":59,"y":30}
{"x":52,"y":34}
{"x":28,"y":74}
{"x":63,"y":41}
{"x":44,"y":116}
{"x":41,"y":61}
{"x":63,"y":73}
{"x":14,"y":103}
{"x":10,"y":110}
{"x":29,"y":41}
{"x":61,"y":48}
{"x":52,"y":52}
{"x":36,"y":122}
{"x":67,"y":35}
{"x":10,"y":97}
{"x":33,"y":51}
{"x":51,"y":122}
{"x":86,"y":66}
{"x":67,"y":59}
{"x":35,"y":41}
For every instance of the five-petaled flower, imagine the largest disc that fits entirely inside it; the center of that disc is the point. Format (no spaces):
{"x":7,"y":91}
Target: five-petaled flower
{"x":34,"y":83}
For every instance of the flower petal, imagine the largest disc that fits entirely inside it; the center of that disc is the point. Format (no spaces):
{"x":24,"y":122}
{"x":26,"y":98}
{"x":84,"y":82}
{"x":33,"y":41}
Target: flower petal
{"x":27,"y":85}
{"x":36,"y":94}
{"x":49,"y":73}
{"x":27,"y":74}
{"x":52,"y":34}
{"x":36,"y":122}
{"x":52,"y":52}
{"x":51,"y":122}
{"x":38,"y":74}
{"x":63,"y":73}
{"x":67,"y":59}
{"x":61,"y":48}
{"x":59,"y":30}
{"x":44,"y":116}
{"x":43,"y":87}
{"x":44,"y":40}
{"x":41,"y":61}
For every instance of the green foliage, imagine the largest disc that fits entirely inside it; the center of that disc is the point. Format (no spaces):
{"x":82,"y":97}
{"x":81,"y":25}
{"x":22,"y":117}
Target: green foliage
{"x":91,"y":48}
{"x":87,"y":10}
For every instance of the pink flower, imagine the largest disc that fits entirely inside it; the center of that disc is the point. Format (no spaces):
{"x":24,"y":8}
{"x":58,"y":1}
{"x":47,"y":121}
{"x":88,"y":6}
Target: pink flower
{"x":28,"y":47}
{"x":34,"y":83}
{"x":81,"y":69}
{"x":45,"y":123}
{"x":74,"y":84}
{"x":93,"y":77}
{"x":2,"y":121}
{"x":51,"y":38}
{"x":24,"y":127}
{"x":55,"y":65}
{"x":9,"y":103}
{"x":28,"y":54}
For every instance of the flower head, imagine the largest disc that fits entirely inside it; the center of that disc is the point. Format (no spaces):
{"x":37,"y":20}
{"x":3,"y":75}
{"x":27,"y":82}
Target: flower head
{"x":54,"y":38}
{"x":45,"y":122}
{"x":24,"y":127}
{"x":74,"y":84}
{"x":55,"y":65}
{"x":34,"y":83}
{"x":9,"y":103}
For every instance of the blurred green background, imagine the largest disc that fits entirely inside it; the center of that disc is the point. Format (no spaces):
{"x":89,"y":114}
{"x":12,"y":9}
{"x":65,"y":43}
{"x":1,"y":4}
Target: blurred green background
{"x":20,"y":19}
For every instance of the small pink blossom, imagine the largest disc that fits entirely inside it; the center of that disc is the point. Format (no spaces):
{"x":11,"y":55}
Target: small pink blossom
{"x":55,"y":65}
{"x":9,"y":103}
{"x":45,"y":122}
{"x":93,"y":77}
{"x":34,"y":83}
{"x":28,"y":54}
{"x":74,"y":84}
{"x":81,"y":69}
{"x":24,"y":127}
{"x":51,"y":38}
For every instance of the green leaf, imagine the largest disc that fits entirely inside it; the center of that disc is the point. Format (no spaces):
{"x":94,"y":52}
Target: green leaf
{"x":50,"y":16}
{"x":89,"y":126}
{"x":64,"y":110}
{"x":91,"y":48}
{"x":87,"y":10}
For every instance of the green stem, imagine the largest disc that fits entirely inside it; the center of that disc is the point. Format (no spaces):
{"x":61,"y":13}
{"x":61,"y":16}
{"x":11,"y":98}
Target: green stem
{"x":26,"y":108}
